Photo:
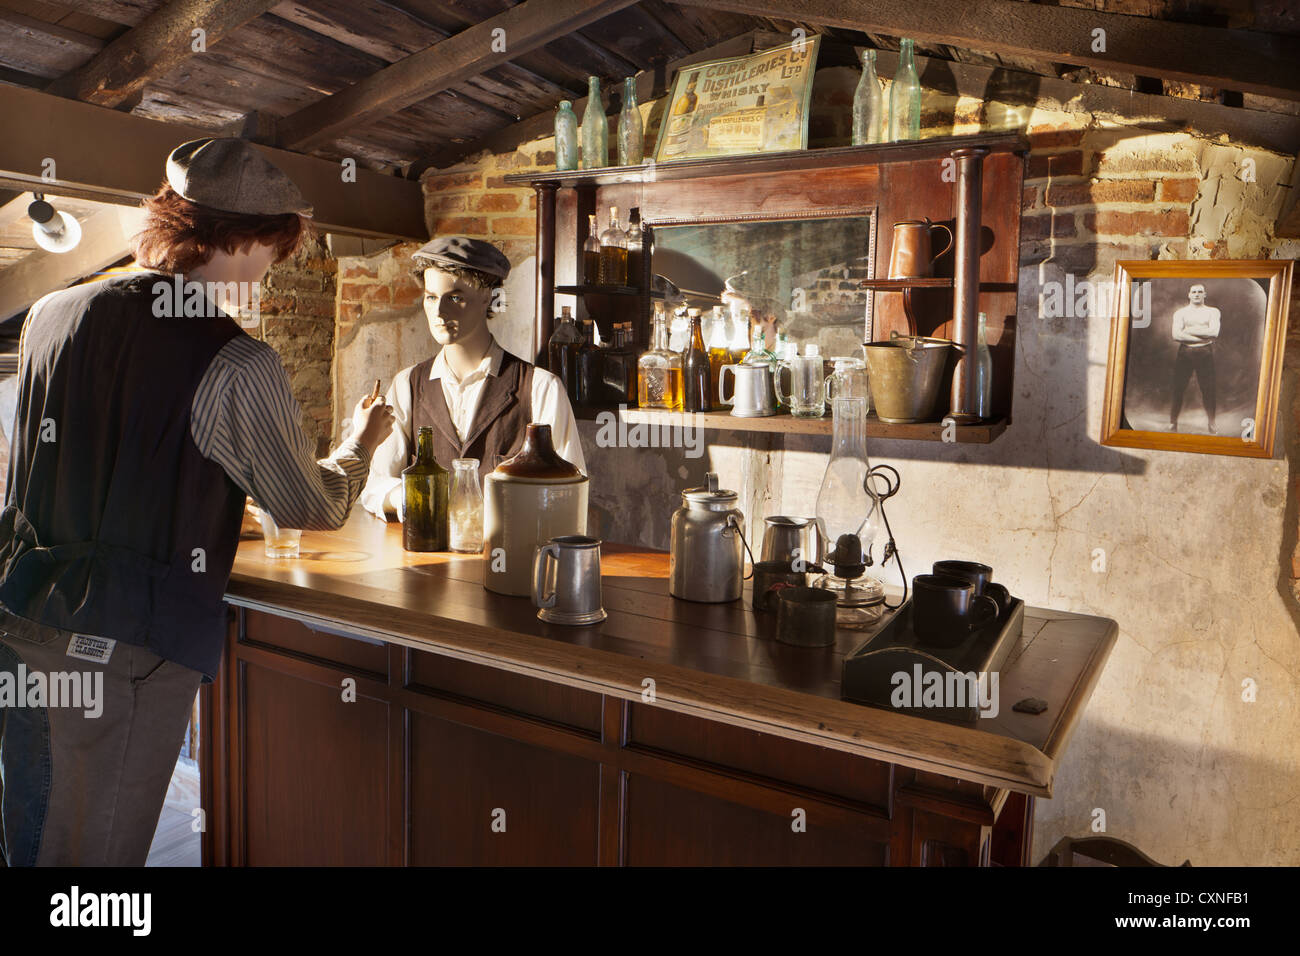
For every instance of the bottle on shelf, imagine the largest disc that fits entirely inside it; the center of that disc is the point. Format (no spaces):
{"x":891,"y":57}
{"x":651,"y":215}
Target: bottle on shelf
{"x":595,"y":128}
{"x":659,"y":370}
{"x":868,"y":104}
{"x":759,"y":353}
{"x":562,"y":347}
{"x":424,"y":493}
{"x":635,"y":248}
{"x":566,"y":137}
{"x":905,"y":97}
{"x":983,"y":371}
{"x":631,"y":130}
{"x":715,"y":340}
{"x":696,"y":394}
{"x":587,"y":371}
{"x":620,"y":367}
{"x":465,"y":508}
{"x":613,"y":252}
{"x":591,"y":254}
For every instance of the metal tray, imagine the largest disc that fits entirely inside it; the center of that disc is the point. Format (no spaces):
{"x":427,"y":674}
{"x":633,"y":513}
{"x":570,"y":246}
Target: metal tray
{"x":871,"y":673}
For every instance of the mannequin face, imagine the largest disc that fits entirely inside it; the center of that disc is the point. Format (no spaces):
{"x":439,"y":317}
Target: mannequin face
{"x":457,"y":310}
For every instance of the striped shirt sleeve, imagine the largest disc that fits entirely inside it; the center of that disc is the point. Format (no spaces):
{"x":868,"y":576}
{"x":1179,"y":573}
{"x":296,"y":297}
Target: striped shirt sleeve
{"x":244,"y":417}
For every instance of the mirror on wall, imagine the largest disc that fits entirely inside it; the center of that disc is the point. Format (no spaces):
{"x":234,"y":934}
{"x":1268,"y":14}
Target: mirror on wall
{"x":797,"y":277}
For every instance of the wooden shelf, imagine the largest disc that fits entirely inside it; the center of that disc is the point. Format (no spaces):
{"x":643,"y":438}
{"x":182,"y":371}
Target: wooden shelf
{"x":902,"y":285}
{"x":981,"y":434}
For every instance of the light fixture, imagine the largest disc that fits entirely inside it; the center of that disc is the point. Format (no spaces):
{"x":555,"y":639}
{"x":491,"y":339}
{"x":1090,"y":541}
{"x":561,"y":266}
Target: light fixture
{"x":53,"y":231}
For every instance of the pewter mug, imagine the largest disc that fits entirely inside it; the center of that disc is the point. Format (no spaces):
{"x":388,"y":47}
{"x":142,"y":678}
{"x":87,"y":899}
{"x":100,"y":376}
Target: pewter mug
{"x":752,"y":393}
{"x":788,"y":540}
{"x":909,"y":257}
{"x":566,"y":580}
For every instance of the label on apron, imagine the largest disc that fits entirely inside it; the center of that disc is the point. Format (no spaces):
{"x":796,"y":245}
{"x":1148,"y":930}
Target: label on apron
{"x":95,"y":649}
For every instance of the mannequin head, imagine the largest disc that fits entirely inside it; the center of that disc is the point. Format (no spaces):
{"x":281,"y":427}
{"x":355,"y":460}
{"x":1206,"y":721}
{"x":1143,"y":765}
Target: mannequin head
{"x":458,"y":303}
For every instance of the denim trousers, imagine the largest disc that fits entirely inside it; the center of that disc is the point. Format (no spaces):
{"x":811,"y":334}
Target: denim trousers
{"x":83,"y":784}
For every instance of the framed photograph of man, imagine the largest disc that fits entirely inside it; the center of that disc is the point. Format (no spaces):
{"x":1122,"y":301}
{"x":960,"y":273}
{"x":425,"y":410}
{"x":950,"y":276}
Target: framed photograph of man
{"x":1196,"y":355}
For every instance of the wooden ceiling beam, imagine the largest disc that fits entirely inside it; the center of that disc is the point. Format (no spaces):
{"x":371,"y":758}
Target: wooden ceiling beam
{"x":110,"y":156}
{"x":528,"y":26}
{"x":119,"y":73}
{"x":1251,"y":62}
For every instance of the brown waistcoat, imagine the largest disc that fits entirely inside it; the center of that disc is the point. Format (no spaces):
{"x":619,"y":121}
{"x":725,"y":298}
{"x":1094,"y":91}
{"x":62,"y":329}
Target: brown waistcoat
{"x":496,"y":433}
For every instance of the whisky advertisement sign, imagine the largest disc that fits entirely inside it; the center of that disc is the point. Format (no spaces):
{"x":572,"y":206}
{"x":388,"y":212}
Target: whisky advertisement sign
{"x":745,"y":104}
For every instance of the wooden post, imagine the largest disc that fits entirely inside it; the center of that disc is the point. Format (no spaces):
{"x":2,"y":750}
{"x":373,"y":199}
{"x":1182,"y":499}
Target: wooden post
{"x":966,"y":283}
{"x":545,"y":285}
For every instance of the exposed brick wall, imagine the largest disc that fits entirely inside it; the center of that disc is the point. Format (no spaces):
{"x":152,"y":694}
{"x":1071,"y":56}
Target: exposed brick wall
{"x":298,"y":309}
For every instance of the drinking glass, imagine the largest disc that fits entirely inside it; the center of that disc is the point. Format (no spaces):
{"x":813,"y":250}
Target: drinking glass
{"x":280,"y":542}
{"x":805,"y":398}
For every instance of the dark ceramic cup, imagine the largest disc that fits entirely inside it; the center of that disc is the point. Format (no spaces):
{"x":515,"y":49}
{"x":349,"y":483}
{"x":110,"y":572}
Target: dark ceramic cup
{"x":946,"y":609}
{"x":980,"y":575}
{"x":770,"y":578}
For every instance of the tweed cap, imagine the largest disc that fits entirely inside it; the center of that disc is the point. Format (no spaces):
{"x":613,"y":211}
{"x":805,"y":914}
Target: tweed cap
{"x":466,"y":253}
{"x":230,"y":174}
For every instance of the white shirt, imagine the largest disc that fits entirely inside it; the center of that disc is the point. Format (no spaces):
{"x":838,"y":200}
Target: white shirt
{"x":383,"y":491}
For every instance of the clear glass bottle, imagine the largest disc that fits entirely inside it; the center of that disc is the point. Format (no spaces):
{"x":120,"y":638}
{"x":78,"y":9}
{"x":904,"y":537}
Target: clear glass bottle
{"x":566,"y":137}
{"x":983,"y":371}
{"x":905,"y":97}
{"x":868,"y":103}
{"x":613,"y":252}
{"x":631,"y":130}
{"x":635,"y":248}
{"x":465,"y":507}
{"x":848,"y":516}
{"x":424,"y":493}
{"x":595,"y":128}
{"x":591,"y":254}
{"x":696,"y":396}
{"x":562,"y":347}
{"x":759,"y":353}
{"x":659,"y":369}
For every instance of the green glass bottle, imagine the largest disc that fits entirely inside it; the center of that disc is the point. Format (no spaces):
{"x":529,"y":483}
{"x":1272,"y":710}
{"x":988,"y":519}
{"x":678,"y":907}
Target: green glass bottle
{"x":424,"y":488}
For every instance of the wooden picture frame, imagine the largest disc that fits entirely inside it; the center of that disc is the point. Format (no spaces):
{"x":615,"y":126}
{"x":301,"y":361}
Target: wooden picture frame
{"x":1196,"y":371}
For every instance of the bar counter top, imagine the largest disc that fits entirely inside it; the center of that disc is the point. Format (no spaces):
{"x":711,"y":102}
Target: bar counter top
{"x":719,"y":662}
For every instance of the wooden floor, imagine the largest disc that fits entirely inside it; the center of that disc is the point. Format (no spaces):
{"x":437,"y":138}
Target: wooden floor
{"x":175,"y":843}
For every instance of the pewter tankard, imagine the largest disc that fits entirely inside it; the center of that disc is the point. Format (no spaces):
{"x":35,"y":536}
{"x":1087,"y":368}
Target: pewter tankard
{"x":566,"y":580}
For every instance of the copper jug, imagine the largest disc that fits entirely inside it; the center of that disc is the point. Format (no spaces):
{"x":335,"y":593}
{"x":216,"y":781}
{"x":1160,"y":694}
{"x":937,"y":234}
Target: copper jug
{"x":910,"y":256}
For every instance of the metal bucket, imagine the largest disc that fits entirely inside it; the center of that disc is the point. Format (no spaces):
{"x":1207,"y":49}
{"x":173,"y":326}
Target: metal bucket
{"x":906,"y":373}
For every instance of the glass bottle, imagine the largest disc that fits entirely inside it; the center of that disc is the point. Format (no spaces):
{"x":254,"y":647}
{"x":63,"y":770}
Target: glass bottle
{"x":759,"y":353}
{"x":631,"y":131}
{"x":868,"y":103}
{"x":562,"y":346}
{"x":465,"y":507}
{"x":595,"y":128}
{"x":620,"y":367}
{"x":424,"y":490}
{"x":659,"y":370}
{"x":635,"y":248}
{"x":566,"y":137}
{"x":587,"y":378}
{"x":696,"y":396}
{"x":715,"y":340}
{"x":613,"y":252}
{"x":905,"y":97}
{"x":983,"y":371}
{"x":591,"y":254}
{"x":848,"y":516}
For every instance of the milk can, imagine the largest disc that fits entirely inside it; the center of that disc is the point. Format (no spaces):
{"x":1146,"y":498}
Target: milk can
{"x":705,"y":561}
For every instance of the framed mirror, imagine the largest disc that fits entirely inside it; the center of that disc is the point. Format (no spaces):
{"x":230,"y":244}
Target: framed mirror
{"x":793,"y":277}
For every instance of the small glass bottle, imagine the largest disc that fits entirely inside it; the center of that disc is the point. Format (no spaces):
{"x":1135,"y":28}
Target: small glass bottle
{"x":631,"y":131}
{"x":715,"y":340}
{"x":424,"y":492}
{"x":696,"y":396}
{"x":983,"y":371}
{"x":635,"y":248}
{"x":868,"y":103}
{"x":465,"y":507}
{"x":759,"y":353}
{"x":613,"y":252}
{"x":591,"y":254}
{"x":566,"y":137}
{"x":562,"y":346}
{"x":659,"y":370}
{"x":595,"y":128}
{"x":905,"y":97}
{"x":620,"y":371}
{"x":587,"y":371}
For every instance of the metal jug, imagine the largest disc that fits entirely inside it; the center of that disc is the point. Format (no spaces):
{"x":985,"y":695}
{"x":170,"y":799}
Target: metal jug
{"x":705,"y":561}
{"x":910,"y":257}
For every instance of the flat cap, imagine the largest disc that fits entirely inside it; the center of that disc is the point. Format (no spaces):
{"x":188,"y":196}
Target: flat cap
{"x":228,"y":173}
{"x":466,"y":253}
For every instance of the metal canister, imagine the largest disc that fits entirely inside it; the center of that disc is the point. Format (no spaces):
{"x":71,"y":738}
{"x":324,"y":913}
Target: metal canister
{"x":706,"y":560}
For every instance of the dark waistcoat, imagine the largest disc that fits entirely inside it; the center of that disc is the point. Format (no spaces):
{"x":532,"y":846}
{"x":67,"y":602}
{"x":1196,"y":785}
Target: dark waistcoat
{"x":496,"y":433}
{"x":114,"y":524}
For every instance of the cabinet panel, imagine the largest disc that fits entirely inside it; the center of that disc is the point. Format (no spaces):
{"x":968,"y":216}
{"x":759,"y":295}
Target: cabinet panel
{"x":285,"y":633}
{"x":670,"y":826}
{"x":458,"y":778}
{"x":315,"y":772}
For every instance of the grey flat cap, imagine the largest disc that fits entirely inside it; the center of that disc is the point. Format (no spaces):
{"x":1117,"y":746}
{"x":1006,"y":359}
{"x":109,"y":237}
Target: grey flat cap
{"x":230,"y":174}
{"x":466,"y":253}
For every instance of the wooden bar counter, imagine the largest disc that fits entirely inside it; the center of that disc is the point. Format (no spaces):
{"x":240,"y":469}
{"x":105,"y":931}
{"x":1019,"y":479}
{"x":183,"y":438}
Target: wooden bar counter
{"x":381,"y":707}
